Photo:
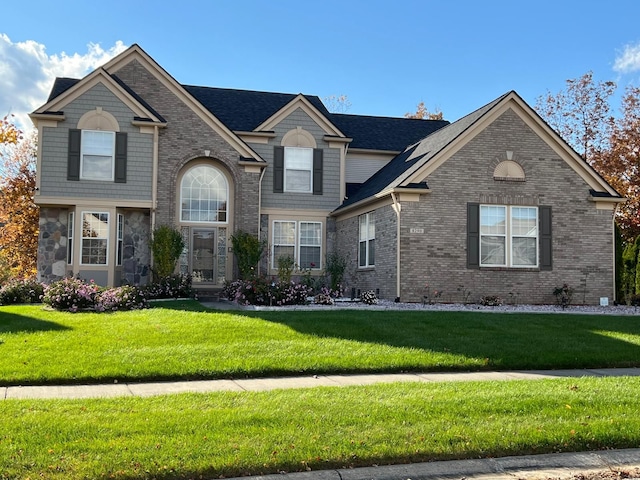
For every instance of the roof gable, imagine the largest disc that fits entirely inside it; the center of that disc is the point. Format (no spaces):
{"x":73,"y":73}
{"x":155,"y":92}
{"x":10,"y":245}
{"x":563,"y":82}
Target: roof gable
{"x":69,"y":90}
{"x":417,"y":161}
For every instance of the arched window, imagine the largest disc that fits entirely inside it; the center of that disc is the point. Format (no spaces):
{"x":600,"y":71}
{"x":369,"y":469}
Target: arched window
{"x":204,"y":195}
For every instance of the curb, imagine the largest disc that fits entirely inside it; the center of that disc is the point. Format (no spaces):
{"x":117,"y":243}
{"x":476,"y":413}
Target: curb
{"x":521,"y":467}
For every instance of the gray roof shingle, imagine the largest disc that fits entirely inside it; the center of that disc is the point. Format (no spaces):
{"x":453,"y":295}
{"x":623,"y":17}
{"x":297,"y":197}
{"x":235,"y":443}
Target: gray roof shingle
{"x":245,"y":110}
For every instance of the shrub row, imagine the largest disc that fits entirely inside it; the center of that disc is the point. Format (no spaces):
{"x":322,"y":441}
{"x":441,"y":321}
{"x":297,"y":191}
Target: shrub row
{"x":74,"y":294}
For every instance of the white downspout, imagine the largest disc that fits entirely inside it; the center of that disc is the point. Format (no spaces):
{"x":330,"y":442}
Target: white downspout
{"x":397,"y":208}
{"x":154,"y":179}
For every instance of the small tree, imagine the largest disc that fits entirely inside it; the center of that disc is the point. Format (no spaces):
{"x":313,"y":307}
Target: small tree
{"x":167,"y":245}
{"x":248,"y":250}
{"x":335,"y":267}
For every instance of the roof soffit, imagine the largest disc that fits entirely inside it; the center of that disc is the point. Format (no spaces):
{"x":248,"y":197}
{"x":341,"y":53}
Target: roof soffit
{"x":301,"y":102}
{"x":534,"y":121}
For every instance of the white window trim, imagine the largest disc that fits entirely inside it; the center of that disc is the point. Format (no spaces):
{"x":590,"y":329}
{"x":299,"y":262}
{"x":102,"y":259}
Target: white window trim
{"x":85,"y":176}
{"x":70,"y":227}
{"x":509,"y":236}
{"x":83,"y":238}
{"x":297,"y":242}
{"x":286,"y":169}
{"x":119,"y":239}
{"x":226,"y":200}
{"x":300,"y":245}
{"x":369,"y":217}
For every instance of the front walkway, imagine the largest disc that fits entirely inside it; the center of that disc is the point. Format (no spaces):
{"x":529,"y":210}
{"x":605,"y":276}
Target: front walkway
{"x":262,"y":384}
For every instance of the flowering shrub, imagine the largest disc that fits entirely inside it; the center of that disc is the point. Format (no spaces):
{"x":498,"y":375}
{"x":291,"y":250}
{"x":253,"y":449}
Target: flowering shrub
{"x":323,"y":299}
{"x":21,"y":291}
{"x":126,"y":297}
{"x":369,"y":297}
{"x":261,"y":291}
{"x":173,"y":286}
{"x":491,"y":301}
{"x":71,"y":294}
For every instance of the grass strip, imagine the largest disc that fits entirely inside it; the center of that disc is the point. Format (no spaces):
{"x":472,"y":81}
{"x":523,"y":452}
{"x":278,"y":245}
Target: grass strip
{"x":184,"y":340}
{"x":232,"y":434}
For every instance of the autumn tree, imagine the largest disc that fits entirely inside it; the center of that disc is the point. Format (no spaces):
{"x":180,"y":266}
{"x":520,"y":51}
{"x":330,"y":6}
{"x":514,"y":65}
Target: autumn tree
{"x":337,"y":103}
{"x":19,"y":214}
{"x":620,"y":163}
{"x":9,"y":133}
{"x":423,"y":113}
{"x":582,"y":115}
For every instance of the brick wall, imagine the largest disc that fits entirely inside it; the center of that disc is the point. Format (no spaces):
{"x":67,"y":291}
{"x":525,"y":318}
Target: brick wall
{"x":582,"y":235}
{"x":185,"y":139}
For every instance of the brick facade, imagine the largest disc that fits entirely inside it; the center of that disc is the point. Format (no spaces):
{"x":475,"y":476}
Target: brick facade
{"x":582,"y":234}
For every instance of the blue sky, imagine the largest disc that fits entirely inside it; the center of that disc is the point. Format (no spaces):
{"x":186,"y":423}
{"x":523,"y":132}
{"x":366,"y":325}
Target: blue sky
{"x":385,"y":56}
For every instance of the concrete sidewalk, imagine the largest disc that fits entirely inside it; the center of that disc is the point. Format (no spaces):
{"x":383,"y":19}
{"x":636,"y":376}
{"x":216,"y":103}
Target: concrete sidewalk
{"x":117,"y":389}
{"x":557,"y":465}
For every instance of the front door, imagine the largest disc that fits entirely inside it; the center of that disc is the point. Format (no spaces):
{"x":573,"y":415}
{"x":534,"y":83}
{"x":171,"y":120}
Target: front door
{"x":203,"y":255}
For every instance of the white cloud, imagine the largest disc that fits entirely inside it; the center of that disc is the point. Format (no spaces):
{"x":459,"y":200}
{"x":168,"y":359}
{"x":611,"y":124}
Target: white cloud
{"x":629,"y":60}
{"x":27,"y":73}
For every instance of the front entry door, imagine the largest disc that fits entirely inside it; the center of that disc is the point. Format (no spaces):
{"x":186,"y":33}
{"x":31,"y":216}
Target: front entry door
{"x":203,"y":255}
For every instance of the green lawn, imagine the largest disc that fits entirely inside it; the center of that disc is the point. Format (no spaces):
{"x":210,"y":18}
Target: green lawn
{"x":183,"y":340}
{"x":231,"y":434}
{"x":228,"y":434}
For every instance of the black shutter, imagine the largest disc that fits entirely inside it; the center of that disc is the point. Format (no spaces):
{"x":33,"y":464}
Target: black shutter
{"x":121,"y":158}
{"x":473,"y":235}
{"x":73,"y":155}
{"x":546,"y":257}
{"x":317,"y":171}
{"x":278,"y":169}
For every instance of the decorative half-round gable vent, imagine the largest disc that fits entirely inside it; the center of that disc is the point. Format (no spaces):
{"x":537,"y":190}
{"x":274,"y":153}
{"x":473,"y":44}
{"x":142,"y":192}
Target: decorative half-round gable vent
{"x":509,"y":170}
{"x":98,"y":119}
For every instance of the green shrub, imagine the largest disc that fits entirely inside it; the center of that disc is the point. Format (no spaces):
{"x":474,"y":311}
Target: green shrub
{"x":21,"y":291}
{"x":286,"y":264}
{"x":248,"y":250}
{"x":335,"y":267}
{"x":171,"y":286}
{"x":167,"y":245}
{"x":491,"y":301}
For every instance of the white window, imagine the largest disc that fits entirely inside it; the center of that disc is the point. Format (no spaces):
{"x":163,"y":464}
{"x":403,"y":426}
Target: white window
{"x":95,"y":238}
{"x":70,"y":238}
{"x":98,"y":153}
{"x":204,"y":195}
{"x":301,"y":241}
{"x":508,"y":236}
{"x":310,"y":245}
{"x":298,"y":169}
{"x":367,"y":240}
{"x":120,"y":238}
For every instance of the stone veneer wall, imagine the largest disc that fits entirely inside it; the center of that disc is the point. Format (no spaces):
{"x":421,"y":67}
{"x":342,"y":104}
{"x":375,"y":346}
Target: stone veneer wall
{"x":136,"y":257}
{"x":52,"y":244}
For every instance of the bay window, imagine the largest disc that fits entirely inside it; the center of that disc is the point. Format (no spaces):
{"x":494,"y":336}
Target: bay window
{"x":95,"y":238}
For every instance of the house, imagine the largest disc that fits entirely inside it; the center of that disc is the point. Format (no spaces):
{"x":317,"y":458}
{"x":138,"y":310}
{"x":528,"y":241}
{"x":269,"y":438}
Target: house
{"x":494,"y":203}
